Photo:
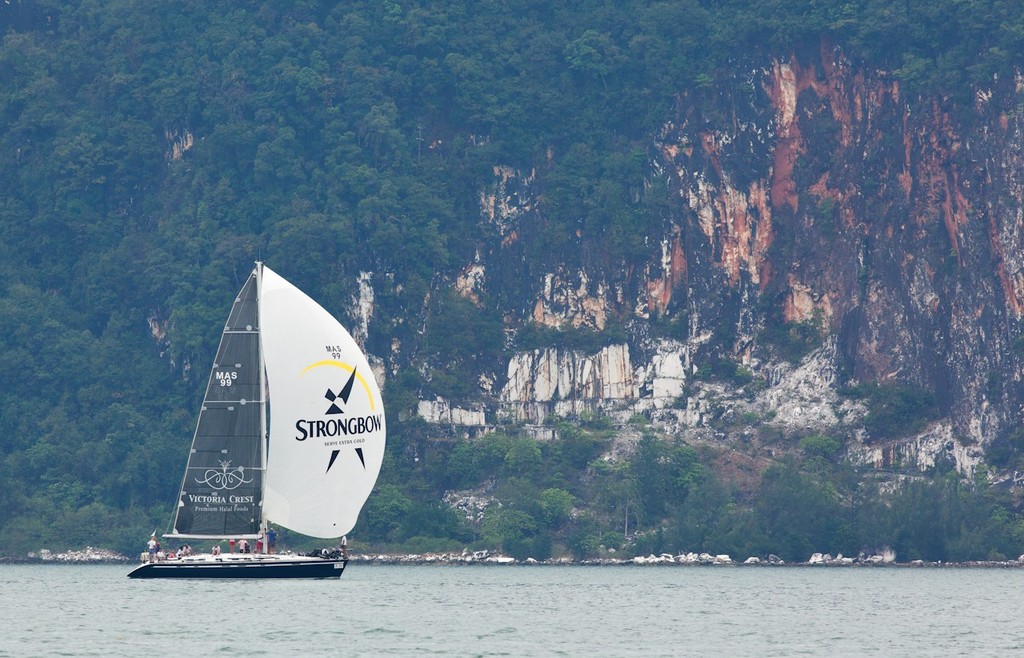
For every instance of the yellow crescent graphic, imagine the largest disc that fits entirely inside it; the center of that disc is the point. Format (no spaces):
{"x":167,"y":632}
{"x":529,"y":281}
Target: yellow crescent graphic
{"x":343,"y":366}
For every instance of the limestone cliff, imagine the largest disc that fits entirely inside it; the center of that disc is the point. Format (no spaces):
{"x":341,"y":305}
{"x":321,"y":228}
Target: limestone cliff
{"x":810,"y":195}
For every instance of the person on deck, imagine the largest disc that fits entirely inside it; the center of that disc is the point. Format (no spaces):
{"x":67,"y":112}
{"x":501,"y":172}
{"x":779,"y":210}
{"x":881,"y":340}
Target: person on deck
{"x":271,"y":539}
{"x":152,"y":546}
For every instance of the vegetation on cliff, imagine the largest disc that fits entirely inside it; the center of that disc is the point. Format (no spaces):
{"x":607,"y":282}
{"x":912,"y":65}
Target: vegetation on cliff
{"x":150,"y":152}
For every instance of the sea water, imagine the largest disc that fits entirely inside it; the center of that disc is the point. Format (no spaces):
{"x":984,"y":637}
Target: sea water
{"x":72,"y":610}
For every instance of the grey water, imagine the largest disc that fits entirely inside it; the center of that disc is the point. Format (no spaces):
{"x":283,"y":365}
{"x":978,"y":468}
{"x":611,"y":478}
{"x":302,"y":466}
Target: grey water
{"x":83,"y":610}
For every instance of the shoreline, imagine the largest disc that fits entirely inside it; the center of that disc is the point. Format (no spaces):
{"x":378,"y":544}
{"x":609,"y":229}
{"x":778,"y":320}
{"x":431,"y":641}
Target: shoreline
{"x":485,"y":558}
{"x":653,"y":561}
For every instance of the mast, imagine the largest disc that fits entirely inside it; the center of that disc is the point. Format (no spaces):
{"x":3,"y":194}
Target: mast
{"x":264,"y":438}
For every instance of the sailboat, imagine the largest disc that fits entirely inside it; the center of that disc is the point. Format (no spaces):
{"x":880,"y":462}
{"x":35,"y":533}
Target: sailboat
{"x":291,"y":435}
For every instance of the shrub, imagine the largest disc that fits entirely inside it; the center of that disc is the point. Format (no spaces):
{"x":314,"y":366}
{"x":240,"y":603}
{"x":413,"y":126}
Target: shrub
{"x":895,"y":409}
{"x":819,"y":445}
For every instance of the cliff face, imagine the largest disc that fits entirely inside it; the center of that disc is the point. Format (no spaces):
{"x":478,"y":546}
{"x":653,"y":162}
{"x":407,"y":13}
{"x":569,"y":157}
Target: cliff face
{"x":810,"y":195}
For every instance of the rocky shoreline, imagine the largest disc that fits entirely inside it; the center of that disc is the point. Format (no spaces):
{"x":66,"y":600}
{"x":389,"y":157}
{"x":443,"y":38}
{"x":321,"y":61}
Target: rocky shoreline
{"x":87,"y":555}
{"x":90,"y":555}
{"x":885,"y":559}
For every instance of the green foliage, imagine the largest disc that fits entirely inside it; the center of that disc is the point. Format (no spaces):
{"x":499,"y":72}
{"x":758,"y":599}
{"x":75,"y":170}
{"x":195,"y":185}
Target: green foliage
{"x":584,"y":540}
{"x":819,"y":445}
{"x":725,"y":370}
{"x":577,"y":447}
{"x":702,"y":521}
{"x":750,"y":418}
{"x":675,"y":326}
{"x":462,"y":340}
{"x":581,"y":339}
{"x":523,"y":458}
{"x":479,"y":460}
{"x":433,"y":520}
{"x":383,"y":513}
{"x":826,"y":216}
{"x":1006,"y":451}
{"x":794,"y":340}
{"x":504,"y":525}
{"x":664,"y":473}
{"x":556,"y":505}
{"x":797,"y":514}
{"x":895,"y":409}
{"x":639,"y":420}
{"x":946,"y":519}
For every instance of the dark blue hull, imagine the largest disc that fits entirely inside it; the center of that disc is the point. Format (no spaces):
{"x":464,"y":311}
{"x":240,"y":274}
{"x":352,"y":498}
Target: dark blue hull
{"x":307,"y":568}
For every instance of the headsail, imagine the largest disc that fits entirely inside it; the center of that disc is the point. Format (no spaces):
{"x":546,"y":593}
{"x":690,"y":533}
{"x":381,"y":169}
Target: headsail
{"x":220,"y":494}
{"x":327,"y":428}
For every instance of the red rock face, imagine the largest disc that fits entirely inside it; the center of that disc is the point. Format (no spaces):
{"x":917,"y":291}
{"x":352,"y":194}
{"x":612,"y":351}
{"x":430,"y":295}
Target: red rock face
{"x":821,"y":194}
{"x":895,"y":220}
{"x":784,"y":90}
{"x":673,"y":274}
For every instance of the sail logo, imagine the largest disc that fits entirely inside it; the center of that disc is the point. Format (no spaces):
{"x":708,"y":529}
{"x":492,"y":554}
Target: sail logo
{"x":320,"y":429}
{"x":345,"y":391}
{"x":225,"y":478}
{"x":338,"y":422}
{"x":338,"y":401}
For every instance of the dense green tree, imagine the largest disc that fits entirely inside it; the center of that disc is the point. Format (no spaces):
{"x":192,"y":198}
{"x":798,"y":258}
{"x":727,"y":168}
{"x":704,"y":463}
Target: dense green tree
{"x":664,"y":472}
{"x":556,"y":506}
{"x":797,"y":514}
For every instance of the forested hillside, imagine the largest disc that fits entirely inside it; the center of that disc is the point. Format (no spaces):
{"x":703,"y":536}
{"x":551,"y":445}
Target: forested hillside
{"x":382,"y":154}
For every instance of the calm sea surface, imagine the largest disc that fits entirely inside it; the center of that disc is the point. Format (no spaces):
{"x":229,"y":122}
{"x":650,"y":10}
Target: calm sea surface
{"x":518,"y":611}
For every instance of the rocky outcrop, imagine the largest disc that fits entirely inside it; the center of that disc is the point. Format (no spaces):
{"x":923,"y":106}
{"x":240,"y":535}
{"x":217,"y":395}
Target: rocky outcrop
{"x":440,"y":411}
{"x":88,"y":555}
{"x":567,"y":383}
{"x":938,"y":446}
{"x":822,"y":200}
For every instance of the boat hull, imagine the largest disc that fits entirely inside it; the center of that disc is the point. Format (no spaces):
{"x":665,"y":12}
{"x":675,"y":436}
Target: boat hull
{"x":228,"y":568}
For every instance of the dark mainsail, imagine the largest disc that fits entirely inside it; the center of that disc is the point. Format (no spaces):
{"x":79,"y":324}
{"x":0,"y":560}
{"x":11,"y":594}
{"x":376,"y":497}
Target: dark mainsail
{"x":222,"y":489}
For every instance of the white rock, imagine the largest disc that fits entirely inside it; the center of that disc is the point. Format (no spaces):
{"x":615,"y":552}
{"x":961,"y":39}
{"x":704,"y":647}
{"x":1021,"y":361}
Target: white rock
{"x":440,"y":411}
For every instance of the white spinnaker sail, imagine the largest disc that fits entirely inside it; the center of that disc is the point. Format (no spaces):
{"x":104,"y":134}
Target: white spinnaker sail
{"x":327,"y":429}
